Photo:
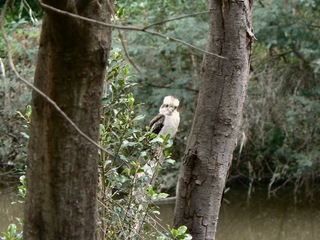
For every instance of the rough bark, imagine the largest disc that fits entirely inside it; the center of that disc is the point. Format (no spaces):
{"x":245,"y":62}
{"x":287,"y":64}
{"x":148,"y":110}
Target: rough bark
{"x":62,"y":166}
{"x":217,"y":118}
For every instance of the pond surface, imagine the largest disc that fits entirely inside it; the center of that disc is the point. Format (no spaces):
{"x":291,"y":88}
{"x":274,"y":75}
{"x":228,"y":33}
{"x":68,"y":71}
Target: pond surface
{"x":275,"y":219}
{"x":261,"y":219}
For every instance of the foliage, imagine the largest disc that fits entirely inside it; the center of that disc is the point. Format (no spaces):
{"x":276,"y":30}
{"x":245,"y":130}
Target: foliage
{"x":281,"y":128}
{"x":180,"y":233}
{"x":23,"y":187}
{"x":14,"y":95}
{"x":26,"y":9}
{"x":13,"y":152}
{"x":290,"y":28}
{"x":128,"y":189}
{"x":12,"y":233}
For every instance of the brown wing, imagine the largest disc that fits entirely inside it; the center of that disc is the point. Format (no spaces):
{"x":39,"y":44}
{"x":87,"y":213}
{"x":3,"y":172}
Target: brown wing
{"x":156,"y":123}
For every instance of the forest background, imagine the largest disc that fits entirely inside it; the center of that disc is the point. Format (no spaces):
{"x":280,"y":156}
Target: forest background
{"x":279,"y":141}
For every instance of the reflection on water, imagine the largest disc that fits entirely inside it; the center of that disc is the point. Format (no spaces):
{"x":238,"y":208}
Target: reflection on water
{"x":275,"y":219}
{"x":261,"y":219}
{"x":9,"y":211}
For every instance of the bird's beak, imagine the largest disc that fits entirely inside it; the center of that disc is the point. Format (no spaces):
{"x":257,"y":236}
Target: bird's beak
{"x":170,"y":109}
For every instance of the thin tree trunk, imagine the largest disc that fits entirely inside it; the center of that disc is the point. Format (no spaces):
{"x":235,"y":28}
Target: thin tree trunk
{"x":62,"y":165}
{"x":217,"y":118}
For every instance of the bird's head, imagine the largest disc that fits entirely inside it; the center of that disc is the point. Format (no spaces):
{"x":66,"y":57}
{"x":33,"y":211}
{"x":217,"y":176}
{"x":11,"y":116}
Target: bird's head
{"x":169,"y":105}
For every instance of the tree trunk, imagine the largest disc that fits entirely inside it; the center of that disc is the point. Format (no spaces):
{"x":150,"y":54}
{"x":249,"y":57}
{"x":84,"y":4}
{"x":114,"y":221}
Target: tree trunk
{"x":62,"y":167}
{"x":217,"y":118}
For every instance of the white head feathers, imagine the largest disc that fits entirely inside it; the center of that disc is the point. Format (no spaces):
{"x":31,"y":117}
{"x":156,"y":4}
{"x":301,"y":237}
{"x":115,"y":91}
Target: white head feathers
{"x":170,"y":100}
{"x":170,"y":104}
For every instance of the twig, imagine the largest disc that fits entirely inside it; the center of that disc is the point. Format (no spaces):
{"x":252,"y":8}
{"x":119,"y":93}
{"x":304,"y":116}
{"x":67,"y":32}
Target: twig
{"x":174,"y":19}
{"x":129,"y":28}
{"x":127,"y":53}
{"x":183,"y":42}
{"x":169,"y":87}
{"x":122,"y":40}
{"x":48,"y":99}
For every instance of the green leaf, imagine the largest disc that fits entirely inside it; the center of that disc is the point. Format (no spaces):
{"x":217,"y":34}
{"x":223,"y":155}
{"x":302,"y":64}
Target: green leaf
{"x":157,"y":140}
{"x":121,"y":82}
{"x":151,"y":191}
{"x":139,"y":117}
{"x":174,"y":232}
{"x":142,"y":138}
{"x":25,"y":135}
{"x":126,"y":70}
{"x":143,"y":153}
{"x":162,"y":196}
{"x":131,"y":100}
{"x":126,"y":143}
{"x":123,"y":158}
{"x":120,"y":11}
{"x":101,"y":129}
{"x":171,"y":161}
{"x":12,"y":230}
{"x":21,"y":115}
{"x":182,"y":230}
{"x":156,"y":212}
{"x":28,"y":112}
{"x":126,"y":170}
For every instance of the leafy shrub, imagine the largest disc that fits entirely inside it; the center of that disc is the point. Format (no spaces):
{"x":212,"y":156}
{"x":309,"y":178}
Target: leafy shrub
{"x":128,"y":180}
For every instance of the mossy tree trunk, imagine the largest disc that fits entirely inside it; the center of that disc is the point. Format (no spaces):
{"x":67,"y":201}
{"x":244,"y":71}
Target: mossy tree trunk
{"x":62,"y":168}
{"x":217,"y":118}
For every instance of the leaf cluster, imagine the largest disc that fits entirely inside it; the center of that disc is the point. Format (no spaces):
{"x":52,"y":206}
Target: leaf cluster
{"x":12,"y":233}
{"x":128,"y":187}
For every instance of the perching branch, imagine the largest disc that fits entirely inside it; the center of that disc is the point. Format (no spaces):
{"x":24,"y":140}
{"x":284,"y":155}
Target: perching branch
{"x":47,"y":98}
{"x":129,"y":28}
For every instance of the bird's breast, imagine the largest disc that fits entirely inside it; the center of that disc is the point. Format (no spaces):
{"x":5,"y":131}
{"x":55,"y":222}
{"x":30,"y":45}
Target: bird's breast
{"x":170,"y":125}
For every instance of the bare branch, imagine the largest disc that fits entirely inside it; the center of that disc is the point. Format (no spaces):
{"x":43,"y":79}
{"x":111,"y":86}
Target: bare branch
{"x":48,"y":99}
{"x":127,"y":53}
{"x":122,"y":40}
{"x":129,"y":28}
{"x":174,"y":19}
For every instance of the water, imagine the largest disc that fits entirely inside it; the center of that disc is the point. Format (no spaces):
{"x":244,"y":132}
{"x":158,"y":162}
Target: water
{"x":261,"y":219}
{"x":275,"y":219}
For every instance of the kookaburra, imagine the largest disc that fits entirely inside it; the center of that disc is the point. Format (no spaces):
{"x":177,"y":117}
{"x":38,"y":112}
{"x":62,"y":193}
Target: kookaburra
{"x":168,"y":119}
